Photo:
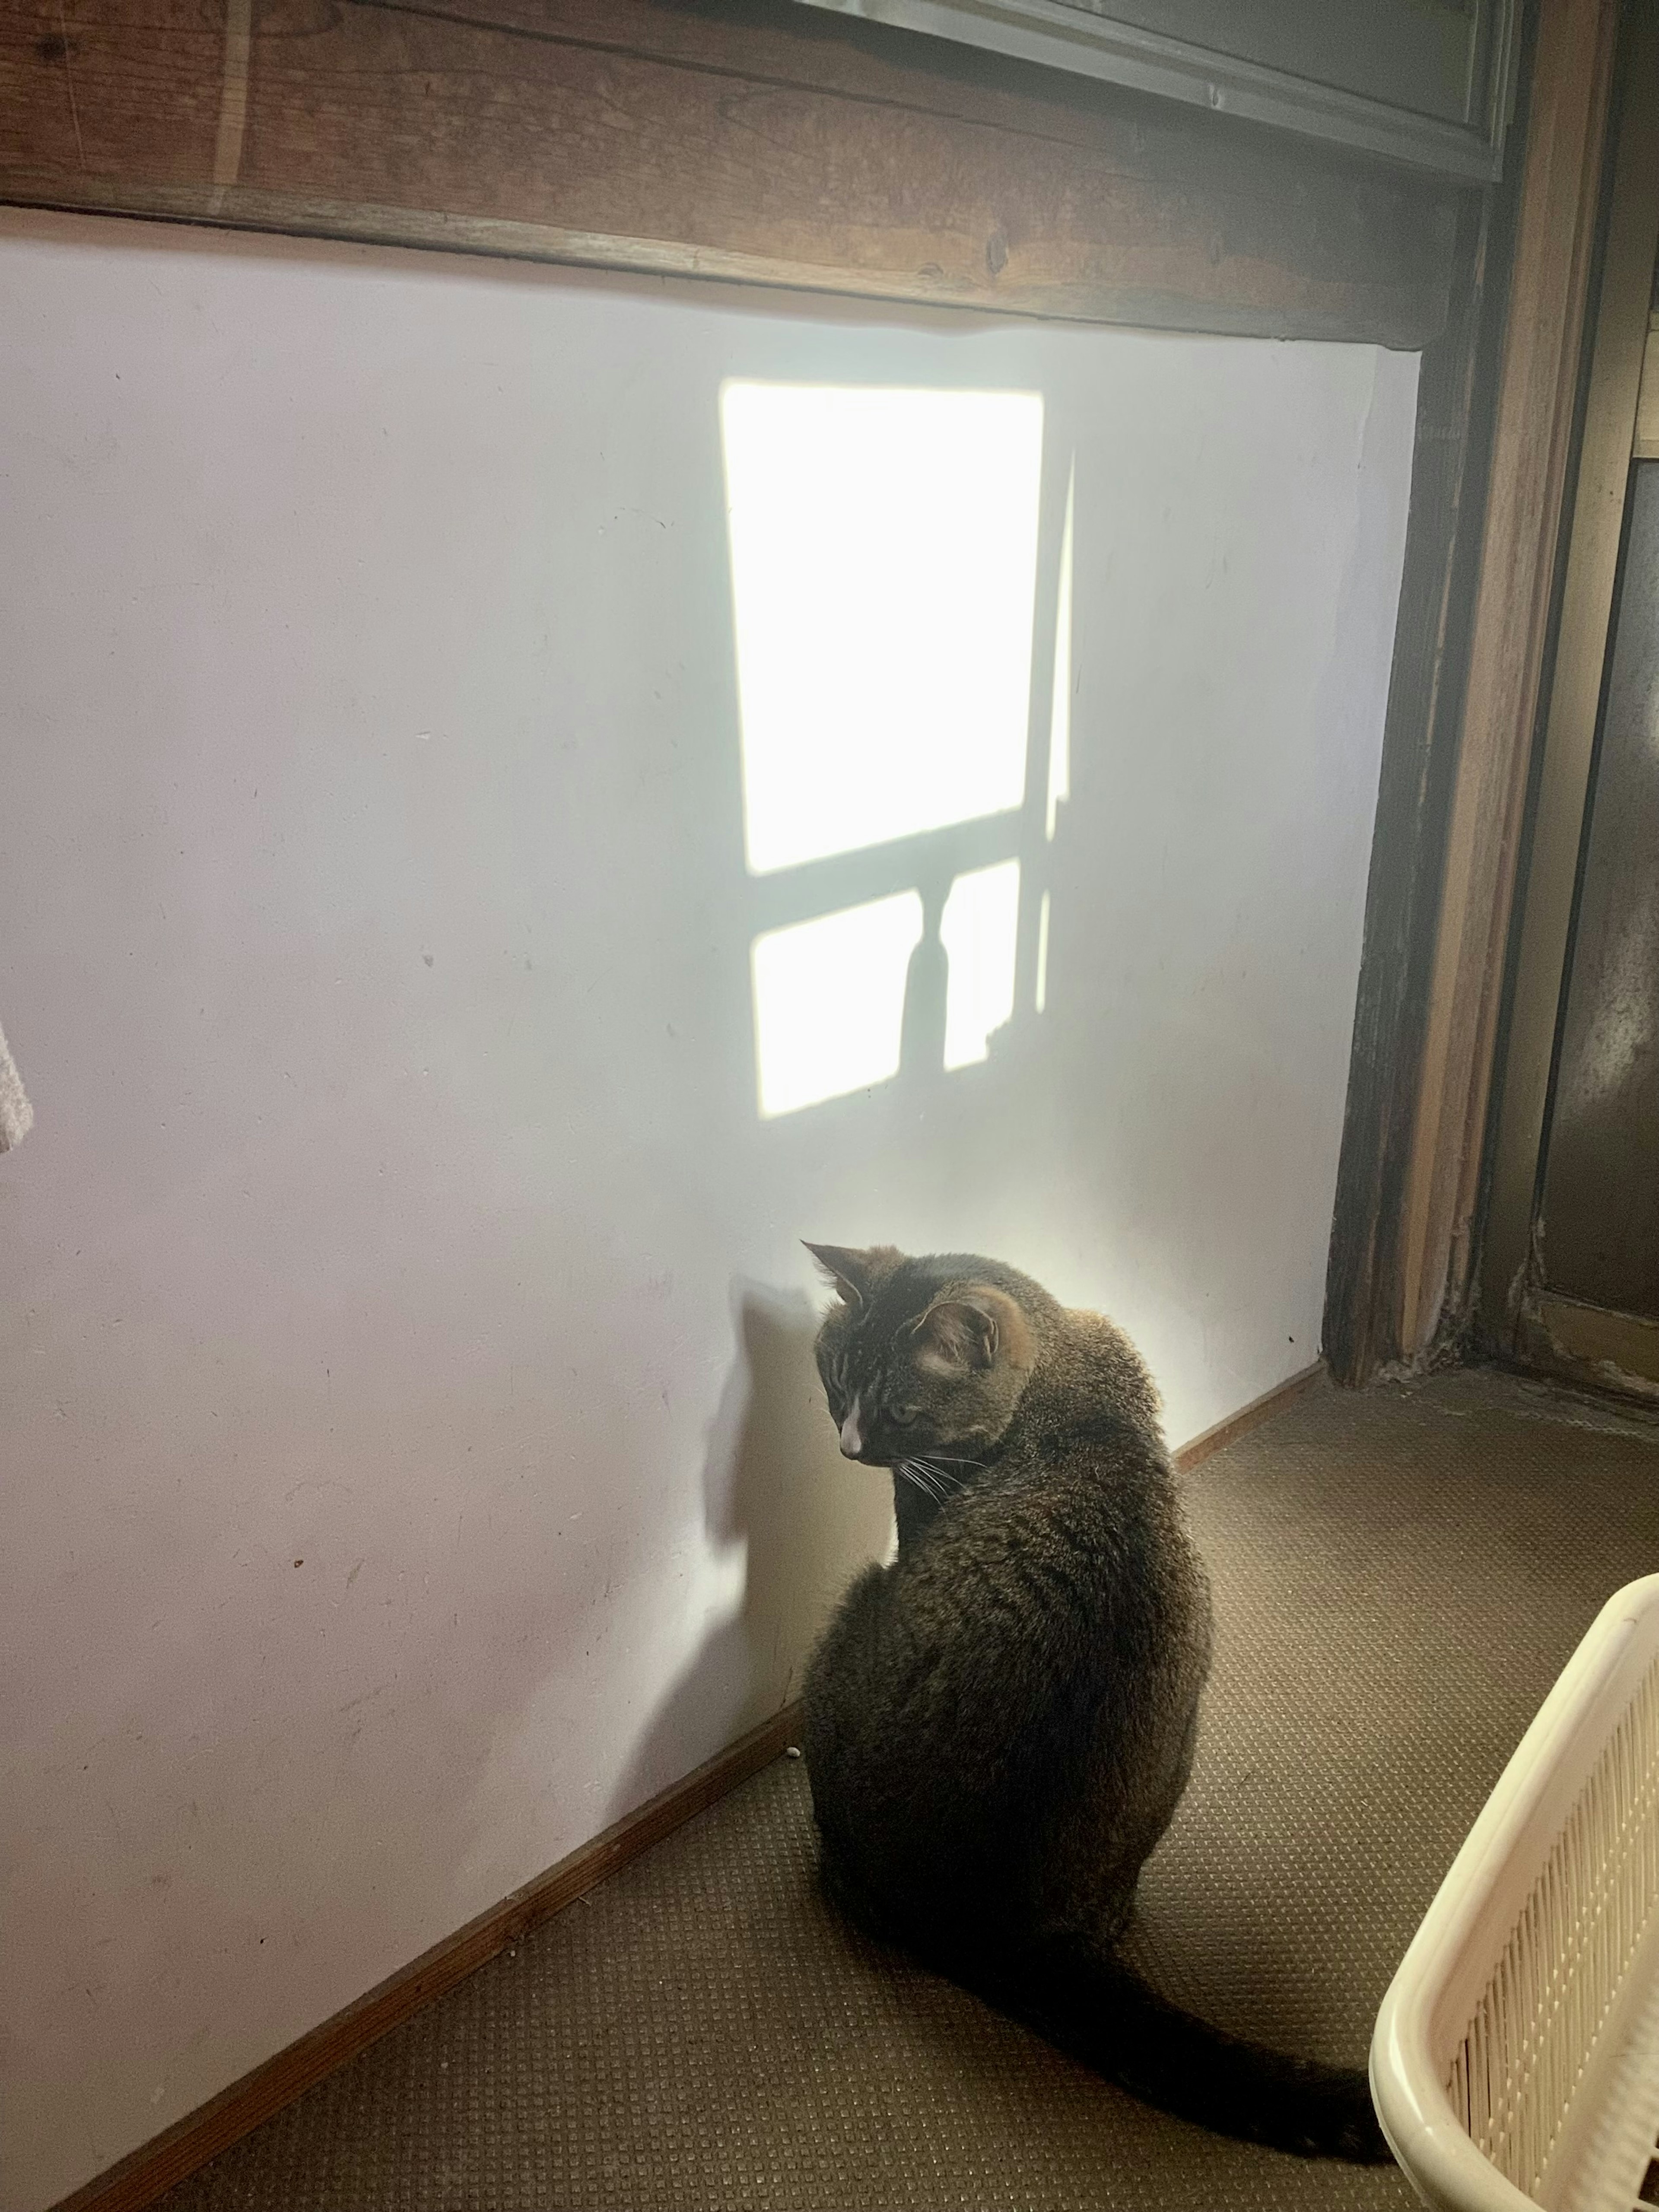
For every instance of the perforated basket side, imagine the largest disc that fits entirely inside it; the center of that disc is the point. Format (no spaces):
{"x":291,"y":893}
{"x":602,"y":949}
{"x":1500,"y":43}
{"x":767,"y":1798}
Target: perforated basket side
{"x":1516,"y":1996}
{"x":1523,"y":2066}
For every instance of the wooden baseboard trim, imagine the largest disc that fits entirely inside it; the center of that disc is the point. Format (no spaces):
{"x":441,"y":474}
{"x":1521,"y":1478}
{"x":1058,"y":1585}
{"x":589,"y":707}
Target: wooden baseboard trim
{"x":1251,"y":1416}
{"x":156,"y":2167}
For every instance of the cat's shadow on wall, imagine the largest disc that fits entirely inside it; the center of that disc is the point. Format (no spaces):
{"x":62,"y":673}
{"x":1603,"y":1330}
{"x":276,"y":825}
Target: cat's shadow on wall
{"x":776,"y":1489}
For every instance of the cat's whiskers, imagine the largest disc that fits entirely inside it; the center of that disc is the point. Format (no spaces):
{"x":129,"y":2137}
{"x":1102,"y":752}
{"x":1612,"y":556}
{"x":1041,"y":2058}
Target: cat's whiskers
{"x":923,"y":1481}
{"x":943,"y":1476}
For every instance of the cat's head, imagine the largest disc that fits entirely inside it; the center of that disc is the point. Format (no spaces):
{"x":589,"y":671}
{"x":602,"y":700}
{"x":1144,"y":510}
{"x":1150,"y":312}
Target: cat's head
{"x":919,"y":1356}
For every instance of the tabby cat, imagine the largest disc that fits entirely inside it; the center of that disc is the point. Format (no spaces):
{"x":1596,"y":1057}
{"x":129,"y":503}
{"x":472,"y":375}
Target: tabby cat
{"x":998,"y":1726}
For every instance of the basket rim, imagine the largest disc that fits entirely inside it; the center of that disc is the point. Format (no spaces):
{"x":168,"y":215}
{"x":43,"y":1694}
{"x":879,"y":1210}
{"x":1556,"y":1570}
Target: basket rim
{"x":1407,"y":2066}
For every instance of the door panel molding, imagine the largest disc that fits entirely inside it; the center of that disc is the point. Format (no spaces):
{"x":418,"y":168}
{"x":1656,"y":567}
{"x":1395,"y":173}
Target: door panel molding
{"x":1379,"y":91}
{"x":1545,"y":903}
{"x":1611,"y":1351}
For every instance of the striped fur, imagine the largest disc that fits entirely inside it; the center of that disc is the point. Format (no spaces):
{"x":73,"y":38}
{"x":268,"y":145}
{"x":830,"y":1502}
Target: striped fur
{"x":999,"y":1725}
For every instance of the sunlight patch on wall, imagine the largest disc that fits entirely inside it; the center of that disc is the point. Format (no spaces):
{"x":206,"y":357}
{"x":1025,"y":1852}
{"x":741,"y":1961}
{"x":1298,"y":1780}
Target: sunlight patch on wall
{"x":884,"y":570}
{"x":979,"y":930}
{"x":1060,"y":713}
{"x":829,"y":1001}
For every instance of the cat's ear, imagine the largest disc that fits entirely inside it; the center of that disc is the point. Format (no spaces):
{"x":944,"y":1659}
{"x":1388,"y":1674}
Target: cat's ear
{"x":970,"y":1331}
{"x":956,"y":1334}
{"x":849,"y":1271}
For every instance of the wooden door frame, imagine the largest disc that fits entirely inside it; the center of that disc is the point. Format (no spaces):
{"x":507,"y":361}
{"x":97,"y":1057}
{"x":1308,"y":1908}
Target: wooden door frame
{"x":1501,"y":393}
{"x":1518,"y":1316}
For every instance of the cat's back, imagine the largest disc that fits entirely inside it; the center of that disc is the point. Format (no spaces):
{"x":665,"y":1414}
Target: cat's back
{"x":1096,"y":1376}
{"x":1084,"y":1535}
{"x":1074,"y":1559}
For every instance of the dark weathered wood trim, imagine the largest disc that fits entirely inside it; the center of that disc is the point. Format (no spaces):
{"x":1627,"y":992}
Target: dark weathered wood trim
{"x":1589,"y":1346}
{"x":738,"y":139}
{"x":1450,"y":471}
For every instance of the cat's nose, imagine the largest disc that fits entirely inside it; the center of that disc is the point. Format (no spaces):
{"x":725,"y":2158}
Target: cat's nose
{"x":852,"y":1435}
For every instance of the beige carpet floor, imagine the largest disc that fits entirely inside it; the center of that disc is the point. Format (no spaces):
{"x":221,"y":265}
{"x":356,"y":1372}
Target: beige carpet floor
{"x":1399,"y":1577}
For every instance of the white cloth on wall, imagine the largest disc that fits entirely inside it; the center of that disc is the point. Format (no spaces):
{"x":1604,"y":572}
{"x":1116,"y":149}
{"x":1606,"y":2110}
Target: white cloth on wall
{"x":16,"y":1115}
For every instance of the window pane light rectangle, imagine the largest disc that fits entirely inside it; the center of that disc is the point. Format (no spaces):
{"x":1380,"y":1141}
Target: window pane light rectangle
{"x":883,"y":568}
{"x":829,"y":1001}
{"x":980,"y":932}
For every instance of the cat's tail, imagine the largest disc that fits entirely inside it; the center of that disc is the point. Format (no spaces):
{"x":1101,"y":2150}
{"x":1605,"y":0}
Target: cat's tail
{"x":1093,"y":2008}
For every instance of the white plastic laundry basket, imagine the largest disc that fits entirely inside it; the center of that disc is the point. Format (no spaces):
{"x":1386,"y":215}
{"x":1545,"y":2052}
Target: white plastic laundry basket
{"x":1515,"y":2060}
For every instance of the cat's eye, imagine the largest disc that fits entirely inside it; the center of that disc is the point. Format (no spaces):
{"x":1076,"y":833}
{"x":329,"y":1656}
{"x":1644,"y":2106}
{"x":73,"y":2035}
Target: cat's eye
{"x":904,"y":1415}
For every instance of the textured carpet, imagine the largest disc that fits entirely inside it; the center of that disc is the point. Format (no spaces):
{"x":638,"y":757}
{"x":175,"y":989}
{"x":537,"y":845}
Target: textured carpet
{"x":1399,"y":1577}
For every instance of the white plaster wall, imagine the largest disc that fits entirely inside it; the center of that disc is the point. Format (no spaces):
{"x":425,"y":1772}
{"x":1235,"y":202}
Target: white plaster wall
{"x":402,"y":1324}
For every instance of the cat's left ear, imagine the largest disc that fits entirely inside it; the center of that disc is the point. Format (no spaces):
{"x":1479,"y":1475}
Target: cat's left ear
{"x":849,"y":1271}
{"x":970,"y":1333}
{"x":956,"y":1334}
